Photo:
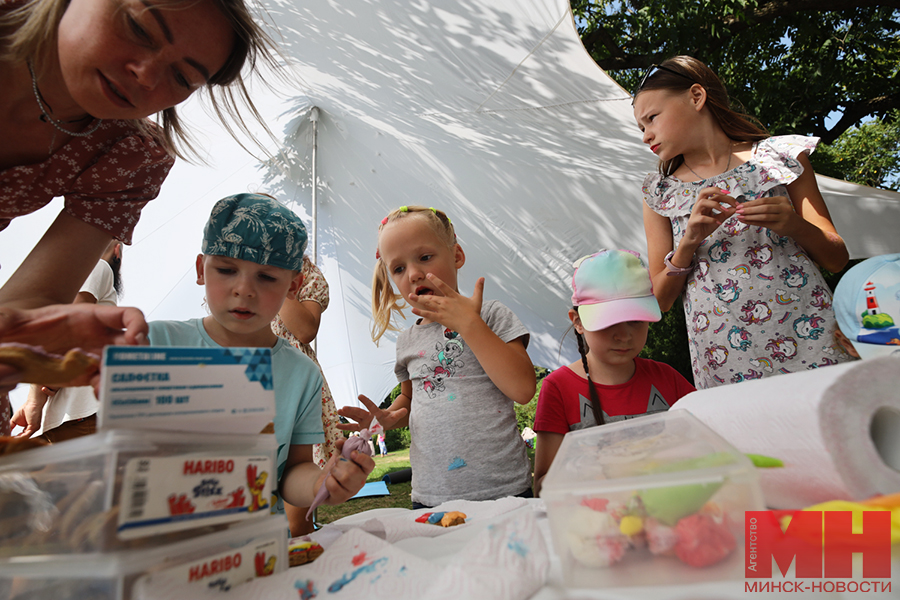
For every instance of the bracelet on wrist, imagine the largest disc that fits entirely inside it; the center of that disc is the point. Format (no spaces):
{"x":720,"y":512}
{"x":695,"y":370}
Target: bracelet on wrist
{"x":672,"y":270}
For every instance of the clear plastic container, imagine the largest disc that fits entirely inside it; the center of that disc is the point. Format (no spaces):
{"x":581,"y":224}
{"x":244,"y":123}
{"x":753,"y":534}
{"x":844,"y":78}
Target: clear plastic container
{"x":120,"y":489}
{"x":655,"y":500}
{"x":220,"y":560}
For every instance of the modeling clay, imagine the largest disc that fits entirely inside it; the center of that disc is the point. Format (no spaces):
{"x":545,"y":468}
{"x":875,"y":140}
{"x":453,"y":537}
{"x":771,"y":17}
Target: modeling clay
{"x":452,"y":518}
{"x":765,"y":462}
{"x":669,"y":504}
{"x":594,"y":538}
{"x":661,"y":539}
{"x":359,"y":443}
{"x":423,"y":518}
{"x":598,"y":504}
{"x":631,"y":525}
{"x":302,"y":550}
{"x":435,"y":517}
{"x":703,"y":541}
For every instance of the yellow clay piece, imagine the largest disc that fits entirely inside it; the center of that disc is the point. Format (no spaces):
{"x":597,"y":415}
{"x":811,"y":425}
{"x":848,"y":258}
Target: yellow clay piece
{"x":631,"y":525}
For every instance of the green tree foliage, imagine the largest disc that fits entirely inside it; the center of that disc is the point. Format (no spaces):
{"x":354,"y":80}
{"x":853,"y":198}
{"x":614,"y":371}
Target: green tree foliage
{"x":868,"y":154}
{"x":394,"y":439}
{"x":667,"y":342}
{"x":790,"y":64}
{"x":525,"y":412}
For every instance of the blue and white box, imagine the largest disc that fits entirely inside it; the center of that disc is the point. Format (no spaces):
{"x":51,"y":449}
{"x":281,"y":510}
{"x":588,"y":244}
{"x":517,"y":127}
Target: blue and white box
{"x":216,"y":390}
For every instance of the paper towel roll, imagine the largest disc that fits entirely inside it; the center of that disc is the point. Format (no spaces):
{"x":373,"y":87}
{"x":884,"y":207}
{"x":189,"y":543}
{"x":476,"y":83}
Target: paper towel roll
{"x":837,"y":429}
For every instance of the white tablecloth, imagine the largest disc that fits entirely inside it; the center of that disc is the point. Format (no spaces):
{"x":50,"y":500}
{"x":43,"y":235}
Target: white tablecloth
{"x":503,"y":552}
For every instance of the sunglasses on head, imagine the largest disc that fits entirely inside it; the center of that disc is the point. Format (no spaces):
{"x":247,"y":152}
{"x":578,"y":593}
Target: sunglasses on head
{"x":653,"y":70}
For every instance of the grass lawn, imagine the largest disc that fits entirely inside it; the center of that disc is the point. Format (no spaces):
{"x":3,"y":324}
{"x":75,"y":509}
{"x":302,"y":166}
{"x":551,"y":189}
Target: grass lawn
{"x":399,"y":498}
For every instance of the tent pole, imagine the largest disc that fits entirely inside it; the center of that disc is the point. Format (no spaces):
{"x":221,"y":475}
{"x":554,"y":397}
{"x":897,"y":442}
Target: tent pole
{"x":314,"y":117}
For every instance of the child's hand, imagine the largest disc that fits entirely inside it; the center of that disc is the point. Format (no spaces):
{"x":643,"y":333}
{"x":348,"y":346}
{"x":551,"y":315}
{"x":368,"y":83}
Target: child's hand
{"x":344,"y":478}
{"x":711,"y":210}
{"x":363,"y":418}
{"x":452,"y":309}
{"x":776,"y":213}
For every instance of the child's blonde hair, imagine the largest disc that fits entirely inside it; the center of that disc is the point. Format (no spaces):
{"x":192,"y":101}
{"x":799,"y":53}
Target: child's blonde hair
{"x":385,"y":302}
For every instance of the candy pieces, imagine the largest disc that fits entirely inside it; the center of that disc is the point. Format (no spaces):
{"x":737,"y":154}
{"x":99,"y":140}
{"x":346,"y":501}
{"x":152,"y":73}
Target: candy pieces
{"x":444,"y":519}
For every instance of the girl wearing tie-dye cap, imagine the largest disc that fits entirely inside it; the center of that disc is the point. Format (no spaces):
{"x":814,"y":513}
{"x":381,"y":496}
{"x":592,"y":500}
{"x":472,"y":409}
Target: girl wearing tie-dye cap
{"x":612,"y":308}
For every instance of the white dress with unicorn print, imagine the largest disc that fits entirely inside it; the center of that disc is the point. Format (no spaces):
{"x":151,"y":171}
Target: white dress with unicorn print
{"x":755,"y":304}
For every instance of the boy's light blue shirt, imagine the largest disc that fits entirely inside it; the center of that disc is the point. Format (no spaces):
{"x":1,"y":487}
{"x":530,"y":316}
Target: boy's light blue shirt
{"x":296,"y":378}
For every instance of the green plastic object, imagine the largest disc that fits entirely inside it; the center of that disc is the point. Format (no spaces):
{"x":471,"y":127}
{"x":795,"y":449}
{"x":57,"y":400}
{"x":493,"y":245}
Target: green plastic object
{"x":765,"y":462}
{"x":671,"y":503}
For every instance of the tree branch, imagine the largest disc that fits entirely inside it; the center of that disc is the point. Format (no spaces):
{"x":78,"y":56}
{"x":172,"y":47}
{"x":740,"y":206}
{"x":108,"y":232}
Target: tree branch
{"x":853,"y":113}
{"x":601,"y":37}
{"x":780,"y":8}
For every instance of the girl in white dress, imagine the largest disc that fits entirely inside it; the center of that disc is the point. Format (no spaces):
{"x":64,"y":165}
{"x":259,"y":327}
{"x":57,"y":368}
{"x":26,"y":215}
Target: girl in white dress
{"x":736,"y":224}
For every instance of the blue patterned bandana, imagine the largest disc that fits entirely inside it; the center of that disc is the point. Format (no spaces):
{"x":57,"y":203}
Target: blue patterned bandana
{"x":256,"y":228}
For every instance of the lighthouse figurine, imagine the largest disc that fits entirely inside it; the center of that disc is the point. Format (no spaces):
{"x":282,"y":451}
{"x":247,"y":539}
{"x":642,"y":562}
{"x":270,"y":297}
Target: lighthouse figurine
{"x":871,"y":301}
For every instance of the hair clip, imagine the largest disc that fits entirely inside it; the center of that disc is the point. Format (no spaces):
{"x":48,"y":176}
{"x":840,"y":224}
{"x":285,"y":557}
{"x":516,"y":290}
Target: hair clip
{"x":403,"y":209}
{"x":434,"y":210}
{"x":384,"y":221}
{"x":377,"y":254}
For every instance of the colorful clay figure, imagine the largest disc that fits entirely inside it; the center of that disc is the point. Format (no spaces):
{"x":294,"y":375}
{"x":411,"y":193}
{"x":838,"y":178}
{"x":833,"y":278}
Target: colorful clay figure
{"x":359,"y":443}
{"x":444,"y":519}
{"x":601,"y":532}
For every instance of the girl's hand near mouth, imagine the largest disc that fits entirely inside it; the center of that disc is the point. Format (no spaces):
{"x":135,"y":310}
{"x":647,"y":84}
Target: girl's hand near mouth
{"x":451,"y":309}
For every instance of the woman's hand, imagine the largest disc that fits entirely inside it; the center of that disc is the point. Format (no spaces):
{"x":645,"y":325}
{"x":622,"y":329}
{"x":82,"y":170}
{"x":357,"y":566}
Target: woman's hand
{"x":387,"y":418}
{"x":62,"y":327}
{"x":776,"y":212}
{"x":711,"y":209}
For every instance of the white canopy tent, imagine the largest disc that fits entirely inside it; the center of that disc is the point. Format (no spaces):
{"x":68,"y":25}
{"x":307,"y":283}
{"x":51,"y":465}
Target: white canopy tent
{"x":492,"y":111}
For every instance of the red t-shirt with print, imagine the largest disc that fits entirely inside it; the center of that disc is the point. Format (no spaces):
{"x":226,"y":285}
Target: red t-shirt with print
{"x":564,"y":403}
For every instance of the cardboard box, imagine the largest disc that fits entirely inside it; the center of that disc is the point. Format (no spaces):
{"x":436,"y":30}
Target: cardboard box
{"x":119,"y":489}
{"x":221,"y":560}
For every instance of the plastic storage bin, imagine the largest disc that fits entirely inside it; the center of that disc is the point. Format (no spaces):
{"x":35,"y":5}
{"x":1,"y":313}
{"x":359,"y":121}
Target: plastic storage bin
{"x":655,"y":500}
{"x":120,"y":489}
{"x":220,"y":560}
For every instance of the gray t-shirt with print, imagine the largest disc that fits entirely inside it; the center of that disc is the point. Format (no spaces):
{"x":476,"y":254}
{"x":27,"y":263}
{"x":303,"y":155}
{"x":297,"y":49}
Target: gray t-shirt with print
{"x":465,"y":444}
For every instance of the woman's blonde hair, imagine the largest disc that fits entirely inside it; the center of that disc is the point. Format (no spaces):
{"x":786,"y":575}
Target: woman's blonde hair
{"x":386,"y":302}
{"x":29,"y":30}
{"x":679,"y":74}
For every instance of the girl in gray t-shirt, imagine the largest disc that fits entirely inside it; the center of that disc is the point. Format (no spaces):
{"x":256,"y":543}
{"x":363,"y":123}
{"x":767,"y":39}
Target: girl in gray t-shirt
{"x":461,"y":366}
